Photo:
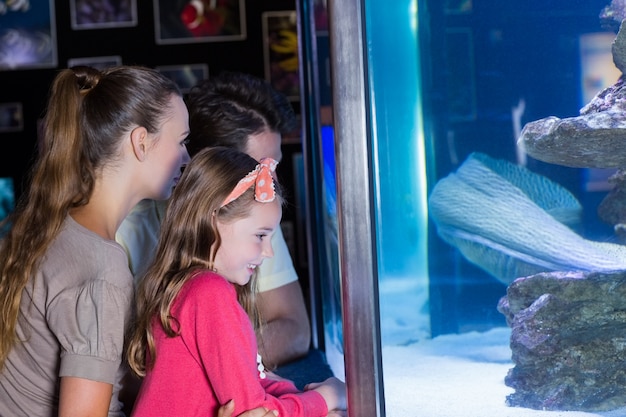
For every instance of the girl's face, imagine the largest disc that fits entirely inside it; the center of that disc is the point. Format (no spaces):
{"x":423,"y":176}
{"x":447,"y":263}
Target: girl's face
{"x":169,"y":153}
{"x":246,"y":242}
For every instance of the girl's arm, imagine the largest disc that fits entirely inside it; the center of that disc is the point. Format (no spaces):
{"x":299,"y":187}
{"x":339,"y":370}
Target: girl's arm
{"x":80,"y":397}
{"x":223,"y":330}
{"x":333,"y":390}
{"x":227,"y":411}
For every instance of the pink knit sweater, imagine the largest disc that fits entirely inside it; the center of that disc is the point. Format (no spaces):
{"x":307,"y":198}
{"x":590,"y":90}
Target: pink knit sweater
{"x":213,"y":360}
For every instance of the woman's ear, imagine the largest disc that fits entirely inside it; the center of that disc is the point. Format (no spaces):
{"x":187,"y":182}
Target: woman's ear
{"x":139,"y":142}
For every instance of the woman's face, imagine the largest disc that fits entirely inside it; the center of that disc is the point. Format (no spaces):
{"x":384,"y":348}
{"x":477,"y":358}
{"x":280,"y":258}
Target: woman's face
{"x":168,"y":153}
{"x":247,"y":242}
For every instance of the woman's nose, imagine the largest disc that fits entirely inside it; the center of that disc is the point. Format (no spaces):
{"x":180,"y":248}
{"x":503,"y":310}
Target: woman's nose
{"x":186,"y":157}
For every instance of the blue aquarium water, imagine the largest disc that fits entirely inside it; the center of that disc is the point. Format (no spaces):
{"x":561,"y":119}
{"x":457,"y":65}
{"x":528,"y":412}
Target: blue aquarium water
{"x":491,"y":68}
{"x":400,"y":171}
{"x":461,"y":208}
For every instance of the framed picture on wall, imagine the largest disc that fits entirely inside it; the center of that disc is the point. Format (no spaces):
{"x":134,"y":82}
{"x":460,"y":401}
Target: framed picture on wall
{"x":194,"y":21}
{"x":98,"y":62}
{"x":28,"y":37}
{"x":11,"y":117}
{"x":97,"y":14}
{"x":7,"y":201}
{"x":185,"y":76}
{"x":280,"y":52}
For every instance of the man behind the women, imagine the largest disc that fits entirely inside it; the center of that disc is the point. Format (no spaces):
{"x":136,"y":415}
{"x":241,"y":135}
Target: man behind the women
{"x":244,"y":112}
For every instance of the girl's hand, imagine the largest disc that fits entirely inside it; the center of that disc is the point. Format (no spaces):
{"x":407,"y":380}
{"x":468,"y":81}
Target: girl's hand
{"x":333,"y":390}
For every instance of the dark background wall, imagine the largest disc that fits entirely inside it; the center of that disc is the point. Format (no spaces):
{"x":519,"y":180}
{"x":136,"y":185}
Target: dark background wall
{"x":135,"y":45}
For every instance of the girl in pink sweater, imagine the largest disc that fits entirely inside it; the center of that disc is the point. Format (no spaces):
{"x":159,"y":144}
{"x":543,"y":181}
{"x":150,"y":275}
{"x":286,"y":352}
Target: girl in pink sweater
{"x":194,"y":339}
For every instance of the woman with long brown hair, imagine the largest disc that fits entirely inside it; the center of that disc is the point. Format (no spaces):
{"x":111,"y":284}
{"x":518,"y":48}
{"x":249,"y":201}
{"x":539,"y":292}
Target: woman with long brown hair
{"x":111,"y":139}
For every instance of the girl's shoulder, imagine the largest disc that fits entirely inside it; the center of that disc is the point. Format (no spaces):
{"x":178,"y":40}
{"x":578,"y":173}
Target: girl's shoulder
{"x":208,"y":281}
{"x":206,"y":290}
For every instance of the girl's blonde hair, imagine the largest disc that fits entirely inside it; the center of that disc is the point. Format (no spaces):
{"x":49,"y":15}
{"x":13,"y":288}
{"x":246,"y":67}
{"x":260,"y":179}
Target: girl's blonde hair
{"x":88,"y":113}
{"x":188,"y":242}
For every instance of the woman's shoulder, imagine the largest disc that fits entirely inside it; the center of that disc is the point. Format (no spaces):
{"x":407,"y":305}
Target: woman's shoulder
{"x":83,"y":255}
{"x":80,"y":238}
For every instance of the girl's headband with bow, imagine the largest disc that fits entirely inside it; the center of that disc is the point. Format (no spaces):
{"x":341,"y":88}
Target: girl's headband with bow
{"x":263,"y":179}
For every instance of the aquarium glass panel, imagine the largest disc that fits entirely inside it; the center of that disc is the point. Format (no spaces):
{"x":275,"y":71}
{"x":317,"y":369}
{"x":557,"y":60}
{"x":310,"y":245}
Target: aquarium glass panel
{"x":497,"y":143}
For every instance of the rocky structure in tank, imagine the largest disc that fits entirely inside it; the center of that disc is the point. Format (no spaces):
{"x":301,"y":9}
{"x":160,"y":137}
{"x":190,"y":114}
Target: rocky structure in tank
{"x":568,"y":336}
{"x":568,"y":341}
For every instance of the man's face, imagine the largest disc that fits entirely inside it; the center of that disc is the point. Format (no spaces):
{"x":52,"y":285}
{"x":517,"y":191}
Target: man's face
{"x":265,"y":145}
